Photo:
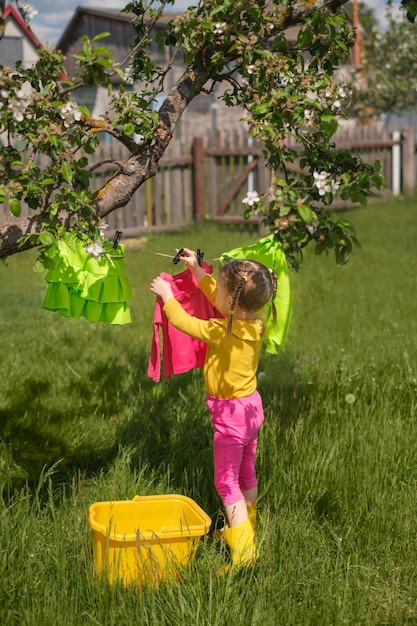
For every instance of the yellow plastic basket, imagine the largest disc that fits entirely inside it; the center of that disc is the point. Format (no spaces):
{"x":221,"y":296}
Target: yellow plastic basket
{"x":147,"y":539}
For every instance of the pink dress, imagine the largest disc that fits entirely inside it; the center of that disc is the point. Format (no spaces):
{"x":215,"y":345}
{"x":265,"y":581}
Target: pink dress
{"x":180,"y":353}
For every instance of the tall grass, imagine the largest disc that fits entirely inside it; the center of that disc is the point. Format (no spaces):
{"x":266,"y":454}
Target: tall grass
{"x":81,"y":422}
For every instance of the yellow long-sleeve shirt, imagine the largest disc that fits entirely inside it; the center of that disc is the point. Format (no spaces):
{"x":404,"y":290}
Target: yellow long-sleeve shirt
{"x":231,"y":364}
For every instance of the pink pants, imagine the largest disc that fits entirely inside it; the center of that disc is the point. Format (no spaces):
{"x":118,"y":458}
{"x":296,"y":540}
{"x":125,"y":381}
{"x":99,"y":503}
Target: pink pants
{"x":236,"y":424}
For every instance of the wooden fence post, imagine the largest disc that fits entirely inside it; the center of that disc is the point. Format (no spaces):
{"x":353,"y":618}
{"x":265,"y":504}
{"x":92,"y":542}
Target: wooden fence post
{"x":396,"y":163}
{"x":198,"y":182}
{"x":408,"y":163}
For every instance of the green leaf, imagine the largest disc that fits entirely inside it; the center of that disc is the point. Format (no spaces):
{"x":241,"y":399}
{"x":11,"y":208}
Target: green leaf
{"x":261,"y":109}
{"x":128,"y":129}
{"x":47,"y":239}
{"x":53,"y":139}
{"x":304,"y":37}
{"x":334,"y":236}
{"x":306,"y":213}
{"x":66,"y":172}
{"x":38,"y":266}
{"x":329,"y":123}
{"x":319,"y":249}
{"x":33,"y":202}
{"x":342,"y":255}
{"x":82,"y":162}
{"x":347,"y":226}
{"x":101,"y":36}
{"x":15,"y":207}
{"x":101,"y":50}
{"x":2,"y":194}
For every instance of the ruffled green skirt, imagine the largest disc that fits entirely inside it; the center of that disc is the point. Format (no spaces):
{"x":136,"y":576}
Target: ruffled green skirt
{"x":80,"y":285}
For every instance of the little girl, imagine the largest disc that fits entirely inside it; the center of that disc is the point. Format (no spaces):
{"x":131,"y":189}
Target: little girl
{"x":231,"y":362}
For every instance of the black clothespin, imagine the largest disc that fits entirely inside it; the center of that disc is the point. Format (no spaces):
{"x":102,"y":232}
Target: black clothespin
{"x":117,"y":238}
{"x":176,"y":258}
{"x":200,"y":256}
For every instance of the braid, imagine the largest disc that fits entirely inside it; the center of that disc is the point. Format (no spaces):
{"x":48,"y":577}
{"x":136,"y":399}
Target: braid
{"x":238,"y":290}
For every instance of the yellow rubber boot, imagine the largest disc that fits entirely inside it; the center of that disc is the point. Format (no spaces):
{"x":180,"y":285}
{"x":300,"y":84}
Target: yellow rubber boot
{"x":240,"y":539}
{"x":252,"y":515}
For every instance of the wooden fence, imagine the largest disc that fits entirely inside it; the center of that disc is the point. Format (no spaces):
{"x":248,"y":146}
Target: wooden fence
{"x":208,"y":179}
{"x":196,"y":181}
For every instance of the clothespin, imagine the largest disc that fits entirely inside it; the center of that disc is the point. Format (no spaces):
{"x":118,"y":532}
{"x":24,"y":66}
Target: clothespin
{"x":117,"y":237}
{"x":200,"y":256}
{"x":176,"y":258}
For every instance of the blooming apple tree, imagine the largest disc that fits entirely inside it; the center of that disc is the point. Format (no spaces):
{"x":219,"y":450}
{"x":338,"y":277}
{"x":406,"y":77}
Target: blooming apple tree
{"x":285,"y":89}
{"x":390,"y":68}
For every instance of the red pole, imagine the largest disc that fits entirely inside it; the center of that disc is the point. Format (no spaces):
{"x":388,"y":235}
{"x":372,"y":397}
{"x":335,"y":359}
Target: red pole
{"x":356,"y":47}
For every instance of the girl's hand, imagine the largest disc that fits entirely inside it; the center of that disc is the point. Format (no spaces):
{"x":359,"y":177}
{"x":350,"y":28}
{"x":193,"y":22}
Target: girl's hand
{"x":190,"y":259}
{"x":162,"y":288}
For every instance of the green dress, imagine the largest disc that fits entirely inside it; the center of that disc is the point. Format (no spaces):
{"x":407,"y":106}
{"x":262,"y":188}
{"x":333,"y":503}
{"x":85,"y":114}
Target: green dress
{"x":269,"y":252}
{"x":82,"y":285}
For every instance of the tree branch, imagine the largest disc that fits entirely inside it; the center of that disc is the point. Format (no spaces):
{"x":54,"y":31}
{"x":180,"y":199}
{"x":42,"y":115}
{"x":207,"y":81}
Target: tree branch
{"x":13,"y":234}
{"x":144,"y":164}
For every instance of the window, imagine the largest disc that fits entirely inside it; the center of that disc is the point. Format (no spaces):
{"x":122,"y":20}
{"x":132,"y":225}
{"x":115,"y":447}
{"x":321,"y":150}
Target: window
{"x":11,"y":50}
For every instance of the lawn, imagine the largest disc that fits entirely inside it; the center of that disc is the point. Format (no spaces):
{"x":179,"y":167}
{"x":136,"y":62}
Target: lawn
{"x":81,"y":422}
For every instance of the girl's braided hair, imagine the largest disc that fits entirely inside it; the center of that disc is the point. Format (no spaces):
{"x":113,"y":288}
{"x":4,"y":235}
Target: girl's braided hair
{"x":251,"y":284}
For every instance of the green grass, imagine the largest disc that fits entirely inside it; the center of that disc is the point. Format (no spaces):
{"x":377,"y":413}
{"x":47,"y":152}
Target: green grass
{"x":80,"y":422}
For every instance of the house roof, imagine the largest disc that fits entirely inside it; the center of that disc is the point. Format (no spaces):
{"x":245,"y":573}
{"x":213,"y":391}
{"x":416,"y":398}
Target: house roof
{"x":112,"y":14}
{"x":13,"y":14}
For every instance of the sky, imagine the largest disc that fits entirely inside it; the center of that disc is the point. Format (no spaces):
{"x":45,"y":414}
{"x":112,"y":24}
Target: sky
{"x":54,"y":15}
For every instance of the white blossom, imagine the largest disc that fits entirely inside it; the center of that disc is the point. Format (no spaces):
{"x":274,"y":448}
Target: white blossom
{"x":70,"y":113}
{"x":309,"y":117}
{"x":286,"y":79}
{"x":252,"y":198}
{"x":16,"y":104}
{"x":138,"y":139}
{"x":27,"y":9}
{"x":18,"y":109}
{"x":128,"y":76}
{"x":334,"y":184}
{"x":350,"y":398}
{"x":219,"y":28}
{"x":250,"y":69}
{"x":324,"y":183}
{"x":95,"y":249}
{"x":102,"y":227}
